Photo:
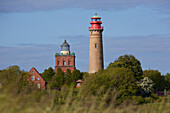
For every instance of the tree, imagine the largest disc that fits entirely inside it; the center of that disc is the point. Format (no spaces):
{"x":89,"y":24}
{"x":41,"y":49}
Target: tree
{"x":48,"y":74}
{"x":8,"y":76}
{"x":68,"y":78}
{"x":158,"y":80}
{"x":16,"y":69}
{"x":114,"y":78}
{"x":129,"y":62}
{"x":146,"y":86}
{"x":167,"y":79}
{"x":58,"y":79}
{"x":76,"y":75}
{"x":14,"y":80}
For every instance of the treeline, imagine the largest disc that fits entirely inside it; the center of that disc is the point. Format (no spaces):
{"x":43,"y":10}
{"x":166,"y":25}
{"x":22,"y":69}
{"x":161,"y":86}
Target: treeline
{"x":123,"y":82}
{"x":57,"y":80}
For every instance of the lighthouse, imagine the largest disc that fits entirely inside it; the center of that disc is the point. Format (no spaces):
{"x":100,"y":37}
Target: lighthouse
{"x":96,"y":44}
{"x":65,"y":59}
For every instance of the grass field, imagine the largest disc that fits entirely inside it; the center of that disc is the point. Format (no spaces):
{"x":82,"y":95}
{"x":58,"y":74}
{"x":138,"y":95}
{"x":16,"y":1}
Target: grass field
{"x":12,"y":103}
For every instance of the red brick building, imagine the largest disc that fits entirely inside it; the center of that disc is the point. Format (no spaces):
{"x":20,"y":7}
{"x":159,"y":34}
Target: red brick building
{"x":36,"y":78}
{"x":65,"y":60}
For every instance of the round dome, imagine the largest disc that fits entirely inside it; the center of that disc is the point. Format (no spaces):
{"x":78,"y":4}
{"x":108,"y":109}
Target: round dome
{"x":65,"y":46}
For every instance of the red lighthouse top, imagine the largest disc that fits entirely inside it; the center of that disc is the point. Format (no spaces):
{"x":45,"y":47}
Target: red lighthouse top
{"x":96,"y":23}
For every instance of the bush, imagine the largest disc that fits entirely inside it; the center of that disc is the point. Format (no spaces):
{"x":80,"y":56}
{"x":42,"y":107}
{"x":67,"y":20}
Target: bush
{"x":148,"y":100}
{"x":111,"y":79}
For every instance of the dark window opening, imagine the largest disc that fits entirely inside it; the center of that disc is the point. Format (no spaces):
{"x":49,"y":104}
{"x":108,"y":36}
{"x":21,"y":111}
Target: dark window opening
{"x":68,"y":62}
{"x":58,"y":62}
{"x":95,"y":45}
{"x":64,"y":63}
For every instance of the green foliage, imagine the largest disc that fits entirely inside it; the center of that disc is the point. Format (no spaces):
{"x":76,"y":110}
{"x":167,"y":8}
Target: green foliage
{"x":129,"y":62}
{"x":112,"y":90}
{"x":13,"y":80}
{"x":167,"y":79}
{"x":48,"y":74}
{"x":111,"y":79}
{"x":10,"y":75}
{"x":76,"y":75}
{"x":149,"y":100}
{"x":15,"y":69}
{"x":138,"y":99}
{"x":58,"y":79}
{"x":146,"y":86}
{"x":154,"y":96}
{"x":158,"y":80}
{"x":68,"y":78}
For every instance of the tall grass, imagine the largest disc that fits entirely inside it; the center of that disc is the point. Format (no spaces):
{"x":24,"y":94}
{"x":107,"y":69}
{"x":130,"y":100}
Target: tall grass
{"x":65,"y":101}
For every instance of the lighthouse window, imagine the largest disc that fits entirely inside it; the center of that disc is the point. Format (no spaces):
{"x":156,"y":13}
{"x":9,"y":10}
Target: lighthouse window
{"x":64,"y":63}
{"x":95,"y":45}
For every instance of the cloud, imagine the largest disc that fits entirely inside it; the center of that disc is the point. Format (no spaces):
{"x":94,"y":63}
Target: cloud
{"x":152,"y":50}
{"x":27,"y":56}
{"x":43,"y":5}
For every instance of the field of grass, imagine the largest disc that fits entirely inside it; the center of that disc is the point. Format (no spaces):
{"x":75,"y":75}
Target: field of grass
{"x":20,"y":103}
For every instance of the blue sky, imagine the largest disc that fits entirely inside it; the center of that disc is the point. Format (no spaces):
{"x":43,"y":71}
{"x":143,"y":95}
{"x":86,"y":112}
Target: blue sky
{"x":31,"y":32}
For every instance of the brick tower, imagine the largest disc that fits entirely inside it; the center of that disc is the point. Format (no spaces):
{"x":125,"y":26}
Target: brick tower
{"x":65,"y":60}
{"x":96,"y":45}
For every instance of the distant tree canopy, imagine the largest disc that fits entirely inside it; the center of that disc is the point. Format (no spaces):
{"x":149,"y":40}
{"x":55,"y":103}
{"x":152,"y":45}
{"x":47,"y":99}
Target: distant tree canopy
{"x":76,"y":75}
{"x":118,"y":79}
{"x":129,"y":62}
{"x":48,"y":74}
{"x":68,"y":78}
{"x":58,"y":79}
{"x":14,"y":79}
{"x":61,"y":78}
{"x":9,"y":75}
{"x":119,"y":83}
{"x":167,"y":79}
{"x":158,"y":80}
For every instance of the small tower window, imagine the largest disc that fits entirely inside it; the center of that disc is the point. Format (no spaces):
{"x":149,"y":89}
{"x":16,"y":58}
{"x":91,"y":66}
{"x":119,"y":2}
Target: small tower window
{"x":68,"y":62}
{"x":58,"y":62}
{"x":64,"y":63}
{"x":95,"y":45}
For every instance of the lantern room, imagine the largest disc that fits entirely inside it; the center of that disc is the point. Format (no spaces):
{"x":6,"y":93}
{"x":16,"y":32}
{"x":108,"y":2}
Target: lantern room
{"x":96,"y":23}
{"x":65,"y":48}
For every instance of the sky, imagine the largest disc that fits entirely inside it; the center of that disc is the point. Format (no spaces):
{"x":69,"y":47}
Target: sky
{"x":32,"y":31}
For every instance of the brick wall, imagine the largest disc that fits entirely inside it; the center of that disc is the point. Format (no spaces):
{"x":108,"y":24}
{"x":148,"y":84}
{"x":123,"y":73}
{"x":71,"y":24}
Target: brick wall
{"x":65,"y":62}
{"x":36,"y":78}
